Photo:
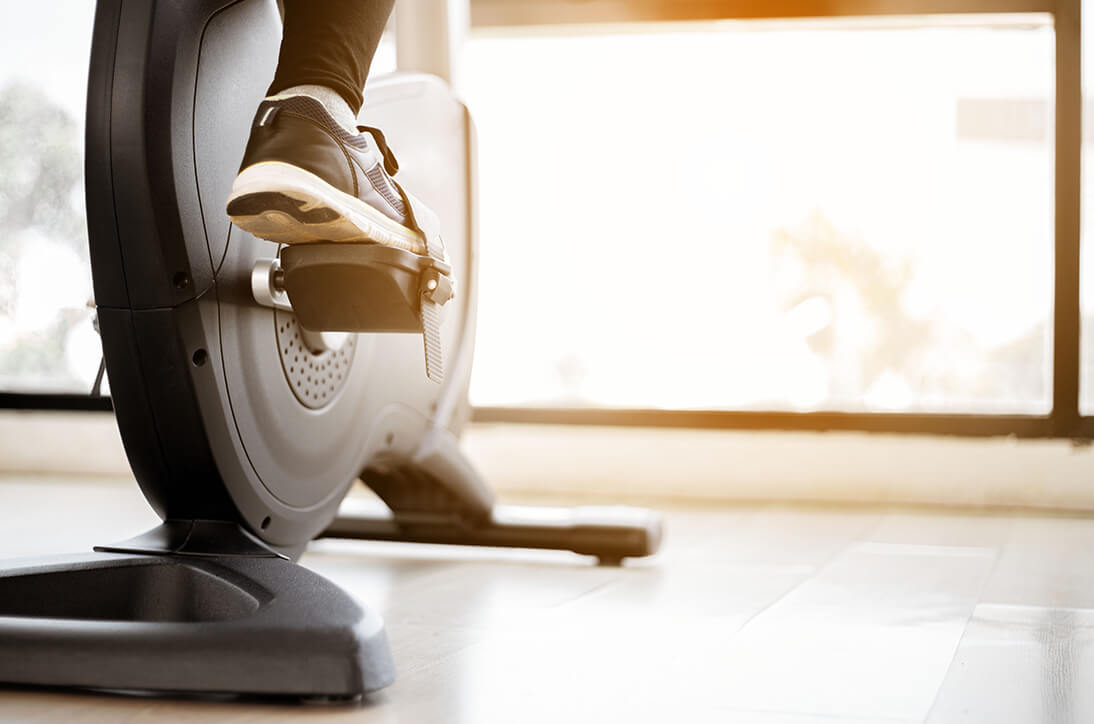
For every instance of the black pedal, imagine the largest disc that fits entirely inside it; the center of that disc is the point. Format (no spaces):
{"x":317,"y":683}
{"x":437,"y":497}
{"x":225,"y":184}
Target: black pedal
{"x":368,"y":288}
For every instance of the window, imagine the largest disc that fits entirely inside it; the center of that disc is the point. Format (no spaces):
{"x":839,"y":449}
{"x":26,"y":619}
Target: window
{"x":47,"y":343}
{"x":1087,"y":280}
{"x":758,"y":217}
{"x":840,"y":215}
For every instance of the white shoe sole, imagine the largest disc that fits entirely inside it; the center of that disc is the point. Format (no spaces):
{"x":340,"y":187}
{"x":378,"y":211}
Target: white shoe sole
{"x":283,"y":203}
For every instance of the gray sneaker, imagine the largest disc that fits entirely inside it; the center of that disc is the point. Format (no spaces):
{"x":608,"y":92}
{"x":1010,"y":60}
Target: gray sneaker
{"x":305,"y":178}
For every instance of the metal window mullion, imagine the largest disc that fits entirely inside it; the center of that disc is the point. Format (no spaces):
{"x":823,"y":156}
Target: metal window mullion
{"x":1068,"y":146}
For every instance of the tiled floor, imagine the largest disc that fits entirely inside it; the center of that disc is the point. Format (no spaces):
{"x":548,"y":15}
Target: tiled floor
{"x":755,"y":614}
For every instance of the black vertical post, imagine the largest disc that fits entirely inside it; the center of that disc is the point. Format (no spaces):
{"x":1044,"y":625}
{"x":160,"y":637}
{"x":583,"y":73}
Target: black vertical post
{"x":1069,"y":111}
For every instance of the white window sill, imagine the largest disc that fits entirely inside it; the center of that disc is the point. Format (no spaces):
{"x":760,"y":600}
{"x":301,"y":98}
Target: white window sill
{"x":623,"y":464}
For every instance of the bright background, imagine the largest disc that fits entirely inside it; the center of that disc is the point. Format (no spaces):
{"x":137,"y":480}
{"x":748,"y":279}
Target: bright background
{"x":734,"y":215}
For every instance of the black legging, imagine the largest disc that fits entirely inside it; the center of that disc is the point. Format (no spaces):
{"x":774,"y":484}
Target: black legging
{"x":330,"y":43}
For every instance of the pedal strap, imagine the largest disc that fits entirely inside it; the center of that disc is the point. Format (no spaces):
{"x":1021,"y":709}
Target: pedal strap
{"x":437,"y":283}
{"x":391,"y":165}
{"x":437,"y":288}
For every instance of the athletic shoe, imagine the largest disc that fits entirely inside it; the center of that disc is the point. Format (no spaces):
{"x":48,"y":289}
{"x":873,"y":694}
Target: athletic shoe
{"x":305,"y":178}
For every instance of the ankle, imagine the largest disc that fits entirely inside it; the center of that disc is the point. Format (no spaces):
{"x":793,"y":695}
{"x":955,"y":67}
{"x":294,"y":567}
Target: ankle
{"x":335,"y":104}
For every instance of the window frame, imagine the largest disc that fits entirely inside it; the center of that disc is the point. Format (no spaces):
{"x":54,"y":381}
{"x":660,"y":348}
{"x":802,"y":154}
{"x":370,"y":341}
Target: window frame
{"x":1065,"y":419}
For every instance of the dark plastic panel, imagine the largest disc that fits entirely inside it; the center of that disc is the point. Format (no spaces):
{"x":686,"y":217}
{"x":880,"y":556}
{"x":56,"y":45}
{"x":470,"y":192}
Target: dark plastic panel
{"x":191,"y":486}
{"x":133,"y":411}
{"x":106,"y":259}
{"x":238,"y":625}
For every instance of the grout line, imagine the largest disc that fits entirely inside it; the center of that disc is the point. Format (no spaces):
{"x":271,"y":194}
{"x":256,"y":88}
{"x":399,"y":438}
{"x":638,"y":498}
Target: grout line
{"x":968,"y":619}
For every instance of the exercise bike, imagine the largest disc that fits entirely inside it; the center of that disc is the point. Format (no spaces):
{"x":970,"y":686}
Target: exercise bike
{"x":253,"y":384}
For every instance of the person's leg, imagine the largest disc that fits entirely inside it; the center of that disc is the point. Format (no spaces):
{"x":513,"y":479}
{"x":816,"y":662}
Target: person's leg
{"x":330,"y":43}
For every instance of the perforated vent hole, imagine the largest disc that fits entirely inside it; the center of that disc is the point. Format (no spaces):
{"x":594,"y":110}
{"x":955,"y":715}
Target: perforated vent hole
{"x":315,"y":376}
